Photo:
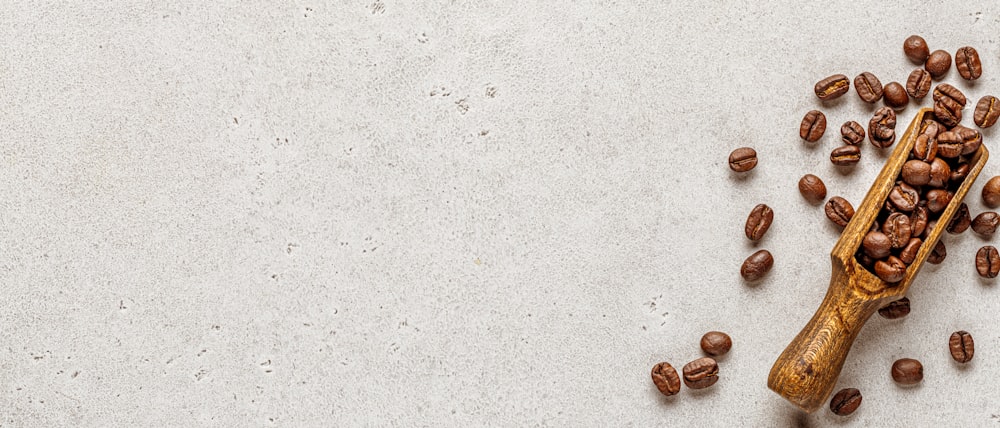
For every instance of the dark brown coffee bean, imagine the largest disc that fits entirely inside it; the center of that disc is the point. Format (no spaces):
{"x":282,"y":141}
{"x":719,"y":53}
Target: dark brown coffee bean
{"x":832,"y":87}
{"x":991,"y":192}
{"x":959,"y":173}
{"x":846,"y":155}
{"x":757,"y":265}
{"x":716,"y":343}
{"x":938,"y":64}
{"x":967,"y":63}
{"x":962,"y":346}
{"x":907,"y":371}
{"x":937,"y":200}
{"x":758,"y":222}
{"x":918,"y":84}
{"x":869,"y":87}
{"x":897,"y":228}
{"x":925,"y":148}
{"x":949,"y":145}
{"x":904,"y":197}
{"x":852,"y":133}
{"x":891,"y":269}
{"x":812,"y":188}
{"x":948,"y":111}
{"x":813,"y":126}
{"x":918,"y":220}
{"x":895,"y":95}
{"x":839,"y":211}
{"x":930,"y":127}
{"x":988,"y":262}
{"x":845,"y":401}
{"x":916,"y":172}
{"x":701,"y":373}
{"x":940,"y":173}
{"x":908,"y":254}
{"x":938,"y":254}
{"x":882,"y":127}
{"x":971,"y":139}
{"x":987,"y":112}
{"x":931,"y":225}
{"x":896,"y":309}
{"x":960,"y":221}
{"x":986,"y":223}
{"x":743,"y":159}
{"x":864,"y":260}
{"x":944,"y":90}
{"x":665,"y":378}
{"x":916,"y":49}
{"x":876,"y":245}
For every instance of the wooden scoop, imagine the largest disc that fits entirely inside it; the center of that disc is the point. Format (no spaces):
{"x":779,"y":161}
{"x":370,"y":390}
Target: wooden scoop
{"x":807,"y":370}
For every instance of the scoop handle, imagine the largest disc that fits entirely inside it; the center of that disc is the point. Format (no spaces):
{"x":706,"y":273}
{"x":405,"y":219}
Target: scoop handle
{"x":807,"y":371}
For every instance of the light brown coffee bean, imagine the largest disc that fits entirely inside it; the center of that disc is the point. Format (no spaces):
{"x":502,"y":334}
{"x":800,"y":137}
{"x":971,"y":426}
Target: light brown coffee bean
{"x":701,"y":373}
{"x":813,"y":126}
{"x":812,"y":188}
{"x":907,"y":371}
{"x":967,"y":63}
{"x":832,"y":87}
{"x":758,"y":222}
{"x":665,"y":378}
{"x":891,"y":269}
{"x":869,"y":87}
{"x":716,"y":343}
{"x":916,"y":172}
{"x":988,"y":262}
{"x":847,"y":156}
{"x":743,"y":159}
{"x":987,"y":112}
{"x":961,"y":346}
{"x":924,"y":148}
{"x":918,"y":84}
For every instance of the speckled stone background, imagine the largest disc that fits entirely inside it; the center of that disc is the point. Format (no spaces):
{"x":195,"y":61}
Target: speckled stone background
{"x":388,"y":213}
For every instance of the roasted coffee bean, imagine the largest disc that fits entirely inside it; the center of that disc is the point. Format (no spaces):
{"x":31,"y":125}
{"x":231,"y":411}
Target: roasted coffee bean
{"x":882,"y":127}
{"x":986,"y":223}
{"x":757,"y":265}
{"x":988,"y":262}
{"x":948,"y":111}
{"x":938,"y":254}
{"x":845,"y":155}
{"x":895,"y":95}
{"x":758,"y":222}
{"x":868,"y":86}
{"x":918,"y":220}
{"x":701,"y":373}
{"x":971,"y":139}
{"x":895,"y":309}
{"x":949,"y":145}
{"x":716,"y":343}
{"x":891,"y":269}
{"x":864,"y":260}
{"x":959,"y":173}
{"x":962,"y":346}
{"x":940,"y":173}
{"x":813,"y":126}
{"x":907,"y":371}
{"x":967,"y":63}
{"x":938,"y":64}
{"x":930,"y":127}
{"x":987,"y":112}
{"x":743,"y":159}
{"x":904,"y":197}
{"x":832,"y":87}
{"x":918,"y":84}
{"x":929,"y":229}
{"x":908,"y":254}
{"x":876,"y":244}
{"x":916,"y":49}
{"x":937,"y":200}
{"x":845,"y":401}
{"x":991,"y":192}
{"x":945,"y":90}
{"x":852,"y":133}
{"x":916,"y":172}
{"x":960,"y":221}
{"x":925,"y":148}
{"x":839,"y":211}
{"x":897,"y":228}
{"x":812,"y":188}
{"x":666,"y":380}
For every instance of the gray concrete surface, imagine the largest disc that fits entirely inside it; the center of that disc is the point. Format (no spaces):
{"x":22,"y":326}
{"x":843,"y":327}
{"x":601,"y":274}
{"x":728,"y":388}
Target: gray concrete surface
{"x":383,"y":213}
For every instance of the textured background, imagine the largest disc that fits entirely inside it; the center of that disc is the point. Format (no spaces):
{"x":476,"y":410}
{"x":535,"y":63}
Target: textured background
{"x":294,"y":213}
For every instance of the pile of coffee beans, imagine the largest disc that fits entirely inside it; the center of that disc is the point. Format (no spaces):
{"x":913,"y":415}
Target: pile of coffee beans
{"x":698,"y":374}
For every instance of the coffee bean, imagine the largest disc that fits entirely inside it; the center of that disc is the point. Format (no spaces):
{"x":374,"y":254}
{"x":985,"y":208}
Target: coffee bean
{"x":937,"y":254}
{"x":757,"y":265}
{"x":938,"y":64}
{"x":948,"y":111}
{"x":925,"y":148}
{"x":916,"y":172}
{"x":812,"y":188}
{"x":846,"y":155}
{"x":852,"y":133}
{"x":701,"y":373}
{"x":897,"y":228}
{"x":987,"y":112}
{"x":832,"y":87}
{"x":895,"y":95}
{"x":896,"y":309}
{"x":937,"y":200}
{"x":968,"y":64}
{"x":665,"y":378}
{"x":839,"y":211}
{"x":918,"y":84}
{"x":971,"y":139}
{"x":940,"y":173}
{"x":986,"y":223}
{"x":845,"y":401}
{"x":813,"y":126}
{"x":949,"y":145}
{"x":876,"y":244}
{"x":960,"y":172}
{"x":945,"y":90}
{"x":864,"y":260}
{"x":758,"y":222}
{"x":882,"y":127}
{"x":991,"y":192}
{"x":916,"y":49}
{"x":716,"y":343}
{"x":907,"y":371}
{"x":960,"y":221}
{"x":743,"y":159}
{"x":904,"y":197}
{"x":891,"y":269}
{"x":931,"y":224}
{"x":908,"y":254}
{"x":869,"y":87}
{"x":961,"y":346}
{"x":988,"y":262}
{"x":930,"y":127}
{"x":918,"y":220}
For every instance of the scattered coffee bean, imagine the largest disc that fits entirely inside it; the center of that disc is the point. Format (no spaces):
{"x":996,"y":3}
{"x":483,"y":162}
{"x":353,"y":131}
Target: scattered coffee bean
{"x":758,"y":222}
{"x":948,"y":111}
{"x":925,"y":148}
{"x":813,"y":126}
{"x":891,"y":269}
{"x":916,"y":172}
{"x":895,"y":95}
{"x":987,"y":112}
{"x":938,"y":254}
{"x":967,"y":63}
{"x":882,"y":127}
{"x":896,"y":309}
{"x":701,"y":373}
{"x":757,"y":265}
{"x":988,"y":262}
{"x":945,"y":90}
{"x":907,"y":371}
{"x":986,"y":223}
{"x":743,"y":159}
{"x":847,"y":156}
{"x":845,"y":401}
{"x":832,"y":87}
{"x":960,"y":221}
{"x":916,"y":49}
{"x":812,"y":188}
{"x":908,"y":254}
{"x":852,"y":133}
{"x":991,"y":192}
{"x":938,"y":64}
{"x":716,"y":343}
{"x":869,"y":87}
{"x":918,"y":84}
{"x":839,"y":211}
{"x":937,"y":200}
{"x":666,"y":380}
{"x":961,"y":346}
{"x":876,"y":244}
